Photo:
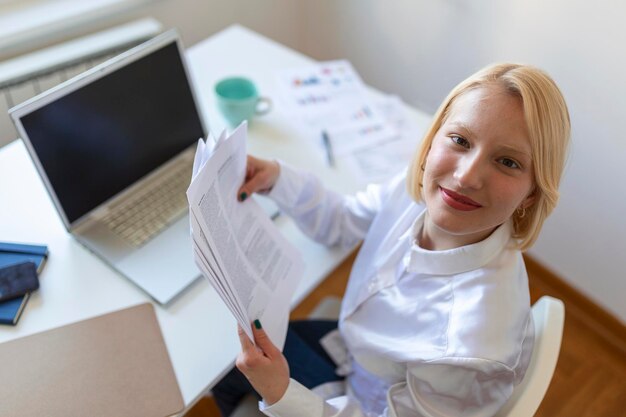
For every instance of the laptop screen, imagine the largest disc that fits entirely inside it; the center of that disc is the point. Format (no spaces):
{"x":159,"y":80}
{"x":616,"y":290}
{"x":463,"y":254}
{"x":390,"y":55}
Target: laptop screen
{"x":101,"y":138}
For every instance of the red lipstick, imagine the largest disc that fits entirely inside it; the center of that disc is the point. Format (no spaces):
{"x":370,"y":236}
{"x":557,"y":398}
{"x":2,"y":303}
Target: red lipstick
{"x":458,"y":201}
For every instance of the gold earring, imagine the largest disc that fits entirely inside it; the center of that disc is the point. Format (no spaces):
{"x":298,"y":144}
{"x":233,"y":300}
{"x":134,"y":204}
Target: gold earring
{"x":521,"y":212}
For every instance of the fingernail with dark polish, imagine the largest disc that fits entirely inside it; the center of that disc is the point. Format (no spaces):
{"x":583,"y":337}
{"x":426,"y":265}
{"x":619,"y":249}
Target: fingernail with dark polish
{"x":257,"y":324}
{"x":243,"y":196}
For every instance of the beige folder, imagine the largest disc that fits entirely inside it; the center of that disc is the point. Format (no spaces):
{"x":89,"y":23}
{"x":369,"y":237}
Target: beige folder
{"x":112,"y":365}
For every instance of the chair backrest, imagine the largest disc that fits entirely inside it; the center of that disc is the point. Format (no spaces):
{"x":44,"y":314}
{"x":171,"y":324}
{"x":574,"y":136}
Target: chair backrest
{"x":548,"y":316}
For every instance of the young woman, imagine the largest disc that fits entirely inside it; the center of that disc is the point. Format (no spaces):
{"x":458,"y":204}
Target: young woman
{"x":436,"y":317}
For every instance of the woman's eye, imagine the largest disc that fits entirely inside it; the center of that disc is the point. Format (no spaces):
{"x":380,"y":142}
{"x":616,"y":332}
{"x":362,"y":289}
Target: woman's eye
{"x":509,"y":163}
{"x":460,"y":141}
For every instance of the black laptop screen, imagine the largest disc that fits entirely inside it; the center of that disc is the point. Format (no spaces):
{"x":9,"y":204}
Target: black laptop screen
{"x":98,"y":140}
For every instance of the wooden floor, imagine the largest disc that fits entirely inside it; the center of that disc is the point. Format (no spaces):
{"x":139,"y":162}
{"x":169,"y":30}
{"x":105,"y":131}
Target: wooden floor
{"x":590,"y":378}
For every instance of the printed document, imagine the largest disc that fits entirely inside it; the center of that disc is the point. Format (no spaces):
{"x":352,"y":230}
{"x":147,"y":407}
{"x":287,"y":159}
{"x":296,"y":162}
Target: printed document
{"x":330,"y":96}
{"x":379,"y":163}
{"x":251,"y":265}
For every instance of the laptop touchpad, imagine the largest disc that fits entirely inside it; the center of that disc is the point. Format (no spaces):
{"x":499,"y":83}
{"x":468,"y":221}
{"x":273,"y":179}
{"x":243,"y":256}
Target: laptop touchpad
{"x":164,"y":264}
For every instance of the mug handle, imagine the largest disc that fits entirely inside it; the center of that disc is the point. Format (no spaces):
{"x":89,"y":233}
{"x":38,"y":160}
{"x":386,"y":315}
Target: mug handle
{"x":263,"y":106}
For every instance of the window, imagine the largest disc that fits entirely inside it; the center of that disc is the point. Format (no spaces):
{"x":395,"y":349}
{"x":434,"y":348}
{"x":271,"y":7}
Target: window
{"x":23,"y":24}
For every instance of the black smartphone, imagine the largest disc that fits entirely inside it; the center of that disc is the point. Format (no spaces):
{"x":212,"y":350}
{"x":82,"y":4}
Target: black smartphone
{"x":17,"y":280}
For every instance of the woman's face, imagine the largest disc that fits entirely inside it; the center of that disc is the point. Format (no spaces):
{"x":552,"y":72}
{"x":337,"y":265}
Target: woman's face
{"x":478,"y":170}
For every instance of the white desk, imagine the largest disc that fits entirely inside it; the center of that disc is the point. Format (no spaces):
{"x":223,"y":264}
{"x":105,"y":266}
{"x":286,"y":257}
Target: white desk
{"x":199,"y":332}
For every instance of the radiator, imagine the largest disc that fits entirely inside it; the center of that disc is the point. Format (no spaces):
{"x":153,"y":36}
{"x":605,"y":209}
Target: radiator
{"x":26,"y":76}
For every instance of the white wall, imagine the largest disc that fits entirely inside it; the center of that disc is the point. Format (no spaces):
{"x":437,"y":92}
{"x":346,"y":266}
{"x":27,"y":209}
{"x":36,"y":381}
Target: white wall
{"x":420,"y":49}
{"x":198,"y":19}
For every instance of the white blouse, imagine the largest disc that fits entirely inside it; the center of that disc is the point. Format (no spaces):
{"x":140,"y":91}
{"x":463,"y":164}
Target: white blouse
{"x":430,"y":333}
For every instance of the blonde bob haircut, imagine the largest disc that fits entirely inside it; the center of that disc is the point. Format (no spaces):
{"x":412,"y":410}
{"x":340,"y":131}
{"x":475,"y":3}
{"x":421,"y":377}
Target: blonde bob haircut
{"x":548,"y":124}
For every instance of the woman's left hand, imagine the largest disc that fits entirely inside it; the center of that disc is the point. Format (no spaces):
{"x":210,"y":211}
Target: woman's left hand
{"x":263,"y":364}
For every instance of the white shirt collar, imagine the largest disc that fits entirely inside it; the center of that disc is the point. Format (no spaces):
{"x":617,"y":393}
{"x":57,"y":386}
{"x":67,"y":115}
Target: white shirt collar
{"x":456,"y":260}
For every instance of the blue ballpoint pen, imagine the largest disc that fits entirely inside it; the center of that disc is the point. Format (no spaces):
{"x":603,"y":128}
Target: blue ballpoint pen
{"x":329,"y":149}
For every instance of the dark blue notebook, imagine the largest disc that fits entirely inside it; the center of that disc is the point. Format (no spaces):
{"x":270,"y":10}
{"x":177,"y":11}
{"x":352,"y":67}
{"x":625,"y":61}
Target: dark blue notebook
{"x":12,"y":253}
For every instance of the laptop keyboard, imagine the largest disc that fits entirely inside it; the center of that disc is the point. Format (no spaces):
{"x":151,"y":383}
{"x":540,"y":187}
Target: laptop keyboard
{"x":154,"y":207}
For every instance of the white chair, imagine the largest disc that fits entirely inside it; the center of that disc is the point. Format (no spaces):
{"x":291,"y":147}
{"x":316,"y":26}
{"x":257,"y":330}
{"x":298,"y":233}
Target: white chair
{"x":548,"y":315}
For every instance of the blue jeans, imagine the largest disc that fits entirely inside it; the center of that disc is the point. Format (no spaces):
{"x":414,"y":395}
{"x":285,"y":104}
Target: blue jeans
{"x":308,"y":364}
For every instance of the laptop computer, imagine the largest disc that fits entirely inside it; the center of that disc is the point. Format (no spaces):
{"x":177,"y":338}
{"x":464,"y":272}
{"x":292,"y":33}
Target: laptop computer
{"x":114,"y":147}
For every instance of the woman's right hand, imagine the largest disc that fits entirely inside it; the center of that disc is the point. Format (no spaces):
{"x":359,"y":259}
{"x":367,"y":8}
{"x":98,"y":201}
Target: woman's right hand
{"x":261,"y":175}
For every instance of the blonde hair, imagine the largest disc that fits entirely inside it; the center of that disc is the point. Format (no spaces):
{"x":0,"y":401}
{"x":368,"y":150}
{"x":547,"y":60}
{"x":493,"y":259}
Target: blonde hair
{"x":548,"y":125}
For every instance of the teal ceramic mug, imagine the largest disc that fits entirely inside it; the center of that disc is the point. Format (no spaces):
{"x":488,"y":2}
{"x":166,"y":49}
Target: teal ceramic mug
{"x":239,"y":100}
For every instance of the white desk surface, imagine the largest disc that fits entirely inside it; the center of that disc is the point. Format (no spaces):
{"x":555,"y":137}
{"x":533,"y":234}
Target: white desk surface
{"x":199,"y":332}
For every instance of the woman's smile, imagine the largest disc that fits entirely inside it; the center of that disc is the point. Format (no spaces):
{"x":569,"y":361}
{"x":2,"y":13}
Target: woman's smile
{"x":458,"y":201}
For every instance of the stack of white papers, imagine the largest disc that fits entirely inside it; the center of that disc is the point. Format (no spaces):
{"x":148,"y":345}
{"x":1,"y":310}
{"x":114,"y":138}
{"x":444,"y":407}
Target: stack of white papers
{"x":251,"y":265}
